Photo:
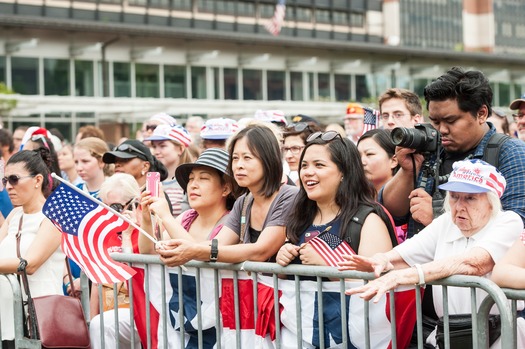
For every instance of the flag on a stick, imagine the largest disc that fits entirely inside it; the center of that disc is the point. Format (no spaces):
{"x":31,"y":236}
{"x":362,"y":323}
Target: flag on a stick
{"x":86,"y":229}
{"x":331,"y":248}
{"x":274,"y":25}
{"x":371,"y":119}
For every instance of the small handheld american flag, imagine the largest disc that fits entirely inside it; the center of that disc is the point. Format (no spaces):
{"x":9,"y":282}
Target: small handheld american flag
{"x":371,"y":119}
{"x":274,"y":25}
{"x":331,"y":248}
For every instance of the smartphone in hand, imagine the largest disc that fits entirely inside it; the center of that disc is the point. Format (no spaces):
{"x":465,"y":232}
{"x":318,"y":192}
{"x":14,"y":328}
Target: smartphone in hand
{"x":153,"y":183}
{"x":310,"y":235}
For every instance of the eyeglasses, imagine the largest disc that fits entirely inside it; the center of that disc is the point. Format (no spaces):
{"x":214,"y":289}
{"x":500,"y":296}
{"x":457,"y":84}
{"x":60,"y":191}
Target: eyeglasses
{"x":518,"y":116}
{"x":13,"y":179}
{"x":150,"y":127}
{"x":119,"y":207}
{"x":128,"y":148}
{"x":295,"y":149}
{"x":395,"y":116}
{"x":327,"y":136}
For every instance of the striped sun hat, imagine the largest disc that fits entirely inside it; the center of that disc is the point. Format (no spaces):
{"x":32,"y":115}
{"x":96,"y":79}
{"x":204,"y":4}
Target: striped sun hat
{"x":215,"y":158}
{"x":175,"y":133}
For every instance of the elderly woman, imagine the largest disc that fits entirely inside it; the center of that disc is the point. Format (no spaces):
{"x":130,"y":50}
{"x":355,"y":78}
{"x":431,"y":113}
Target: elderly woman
{"x":467,"y":240}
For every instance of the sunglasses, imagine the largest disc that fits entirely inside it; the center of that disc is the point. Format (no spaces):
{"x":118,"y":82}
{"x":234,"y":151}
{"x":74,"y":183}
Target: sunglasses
{"x":128,"y":148}
{"x":327,"y":136}
{"x":151,"y":127}
{"x":13,"y":179}
{"x":120,"y":207}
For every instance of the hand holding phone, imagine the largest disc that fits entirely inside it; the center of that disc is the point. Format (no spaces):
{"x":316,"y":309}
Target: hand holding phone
{"x":153,"y":183}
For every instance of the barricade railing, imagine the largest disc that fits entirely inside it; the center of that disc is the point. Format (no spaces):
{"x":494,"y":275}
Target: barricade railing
{"x":320,"y":276}
{"x":21,"y":341}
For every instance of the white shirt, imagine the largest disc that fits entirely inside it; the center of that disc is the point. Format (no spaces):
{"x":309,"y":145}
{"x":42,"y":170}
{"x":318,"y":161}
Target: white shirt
{"x":442,"y":239}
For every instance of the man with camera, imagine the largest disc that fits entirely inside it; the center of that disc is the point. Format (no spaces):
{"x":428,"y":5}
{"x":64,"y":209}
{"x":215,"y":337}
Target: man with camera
{"x":400,"y":108}
{"x":459,"y":103}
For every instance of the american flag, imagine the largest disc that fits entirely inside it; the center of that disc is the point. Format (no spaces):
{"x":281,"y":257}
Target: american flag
{"x":274,"y":25}
{"x":331,"y":248}
{"x":371,"y":119}
{"x":86,"y":228}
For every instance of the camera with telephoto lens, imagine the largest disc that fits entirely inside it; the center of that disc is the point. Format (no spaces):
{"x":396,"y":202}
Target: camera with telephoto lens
{"x":423,"y":138}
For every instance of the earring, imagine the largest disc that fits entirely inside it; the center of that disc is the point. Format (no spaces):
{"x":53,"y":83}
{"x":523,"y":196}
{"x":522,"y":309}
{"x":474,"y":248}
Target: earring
{"x":142,"y":173}
{"x":36,"y":186}
{"x":341,"y":179}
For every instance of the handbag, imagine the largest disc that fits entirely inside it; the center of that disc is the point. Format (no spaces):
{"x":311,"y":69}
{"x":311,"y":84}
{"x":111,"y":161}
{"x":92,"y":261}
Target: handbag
{"x":56,"y":320}
{"x":460,"y":330}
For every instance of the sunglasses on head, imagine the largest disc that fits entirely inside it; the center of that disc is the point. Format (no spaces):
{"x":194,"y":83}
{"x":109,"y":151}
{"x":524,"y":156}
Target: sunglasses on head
{"x":13,"y":179}
{"x":120,"y":207}
{"x":128,"y":148}
{"x":327,"y":136}
{"x":151,"y":127}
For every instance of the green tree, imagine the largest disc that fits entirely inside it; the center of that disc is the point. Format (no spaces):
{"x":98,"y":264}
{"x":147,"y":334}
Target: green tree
{"x":6,"y":104}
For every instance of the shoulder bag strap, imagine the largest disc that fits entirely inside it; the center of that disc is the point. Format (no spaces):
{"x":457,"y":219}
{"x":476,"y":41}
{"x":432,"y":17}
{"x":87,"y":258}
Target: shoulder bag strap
{"x":22,"y":272}
{"x":243,"y":216}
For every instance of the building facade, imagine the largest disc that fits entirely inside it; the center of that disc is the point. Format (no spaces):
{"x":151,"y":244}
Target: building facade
{"x":116,"y":62}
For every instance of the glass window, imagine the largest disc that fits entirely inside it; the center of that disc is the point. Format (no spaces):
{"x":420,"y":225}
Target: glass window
{"x":207,"y":6}
{"x":216,"y":83}
{"x":322,"y":16}
{"x":275,"y":85}
{"x":56,"y":77}
{"x":303,"y":14}
{"x":103,"y":78}
{"x":2,"y":69}
{"x":342,"y":87}
{"x":504,"y":94}
{"x":311,"y":87}
{"x":252,"y":84}
{"x":296,"y":86}
{"x":266,"y":11}
{"x":230,"y":83}
{"x":174,"y":81}
{"x":340,"y":18}
{"x":245,"y":9}
{"x":357,"y":20}
{"x":225,"y":7}
{"x":323,"y":84}
{"x":517,"y":91}
{"x":182,"y":5}
{"x":160,"y":3}
{"x":84,"y":78}
{"x":362,"y":90}
{"x":198,"y":82}
{"x":147,"y":80}
{"x":419,"y":86}
{"x":122,"y":79}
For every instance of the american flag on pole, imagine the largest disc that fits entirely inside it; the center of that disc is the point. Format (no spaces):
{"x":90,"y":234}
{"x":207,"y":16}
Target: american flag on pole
{"x":331,"y":248}
{"x":274,"y":25}
{"x":371,"y":119}
{"x":87,"y":228}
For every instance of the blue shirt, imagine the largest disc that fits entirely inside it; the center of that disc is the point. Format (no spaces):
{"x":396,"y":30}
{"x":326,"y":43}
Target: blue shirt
{"x":511,"y":166}
{"x":5,"y":203}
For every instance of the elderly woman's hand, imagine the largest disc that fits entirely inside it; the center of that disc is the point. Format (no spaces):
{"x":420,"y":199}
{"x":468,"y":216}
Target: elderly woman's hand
{"x":376,"y":288}
{"x":175,"y":252}
{"x":287,"y":254}
{"x":378,"y":263}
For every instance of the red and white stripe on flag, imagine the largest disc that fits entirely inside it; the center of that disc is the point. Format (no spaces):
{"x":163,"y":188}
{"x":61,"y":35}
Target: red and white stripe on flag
{"x":331,"y":248}
{"x":274,"y":25}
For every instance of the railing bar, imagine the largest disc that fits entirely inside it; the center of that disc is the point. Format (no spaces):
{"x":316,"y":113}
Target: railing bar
{"x":298,"y":311}
{"x":393,"y":324}
{"x":446,"y":319}
{"x":320,"y":311}
{"x":367,"y":323}
{"x":474,"y":313}
{"x":419,"y":317}
{"x":344,"y":314}
{"x":199,"y":307}
{"x":164,"y":303}
{"x":148,"y":314}
{"x":181,"y":306}
{"x":236,"y":310}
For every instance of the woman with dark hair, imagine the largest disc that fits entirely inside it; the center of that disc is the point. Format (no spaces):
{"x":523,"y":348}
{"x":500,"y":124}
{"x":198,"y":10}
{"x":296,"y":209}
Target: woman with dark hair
{"x":258,"y":217}
{"x":27,"y":182}
{"x":333,"y":188}
{"x":41,"y":138}
{"x":210,"y":194}
{"x":378,"y":156}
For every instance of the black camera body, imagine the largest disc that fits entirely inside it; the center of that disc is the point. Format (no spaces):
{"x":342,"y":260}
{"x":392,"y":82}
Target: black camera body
{"x":423,"y":138}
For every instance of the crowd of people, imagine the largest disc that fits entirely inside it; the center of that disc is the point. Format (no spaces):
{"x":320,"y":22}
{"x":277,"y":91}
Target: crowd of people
{"x":262,"y":188}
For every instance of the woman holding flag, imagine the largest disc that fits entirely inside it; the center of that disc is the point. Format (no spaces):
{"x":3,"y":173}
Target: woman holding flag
{"x":27,"y":181}
{"x":335,"y":214}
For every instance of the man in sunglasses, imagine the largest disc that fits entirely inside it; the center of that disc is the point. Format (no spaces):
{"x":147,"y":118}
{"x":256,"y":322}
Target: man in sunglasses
{"x":459,"y":103}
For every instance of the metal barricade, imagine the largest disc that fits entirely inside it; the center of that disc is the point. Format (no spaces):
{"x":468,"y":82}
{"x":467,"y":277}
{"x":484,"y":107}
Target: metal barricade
{"x":150,"y":263}
{"x":22,"y":342}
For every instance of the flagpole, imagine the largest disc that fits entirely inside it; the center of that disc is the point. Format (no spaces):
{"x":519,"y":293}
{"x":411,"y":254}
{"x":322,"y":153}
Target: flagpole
{"x":81,"y":192}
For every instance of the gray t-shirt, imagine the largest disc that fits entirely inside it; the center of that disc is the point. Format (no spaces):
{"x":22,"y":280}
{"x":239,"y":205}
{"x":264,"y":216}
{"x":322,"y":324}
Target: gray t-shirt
{"x":277,"y":214}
